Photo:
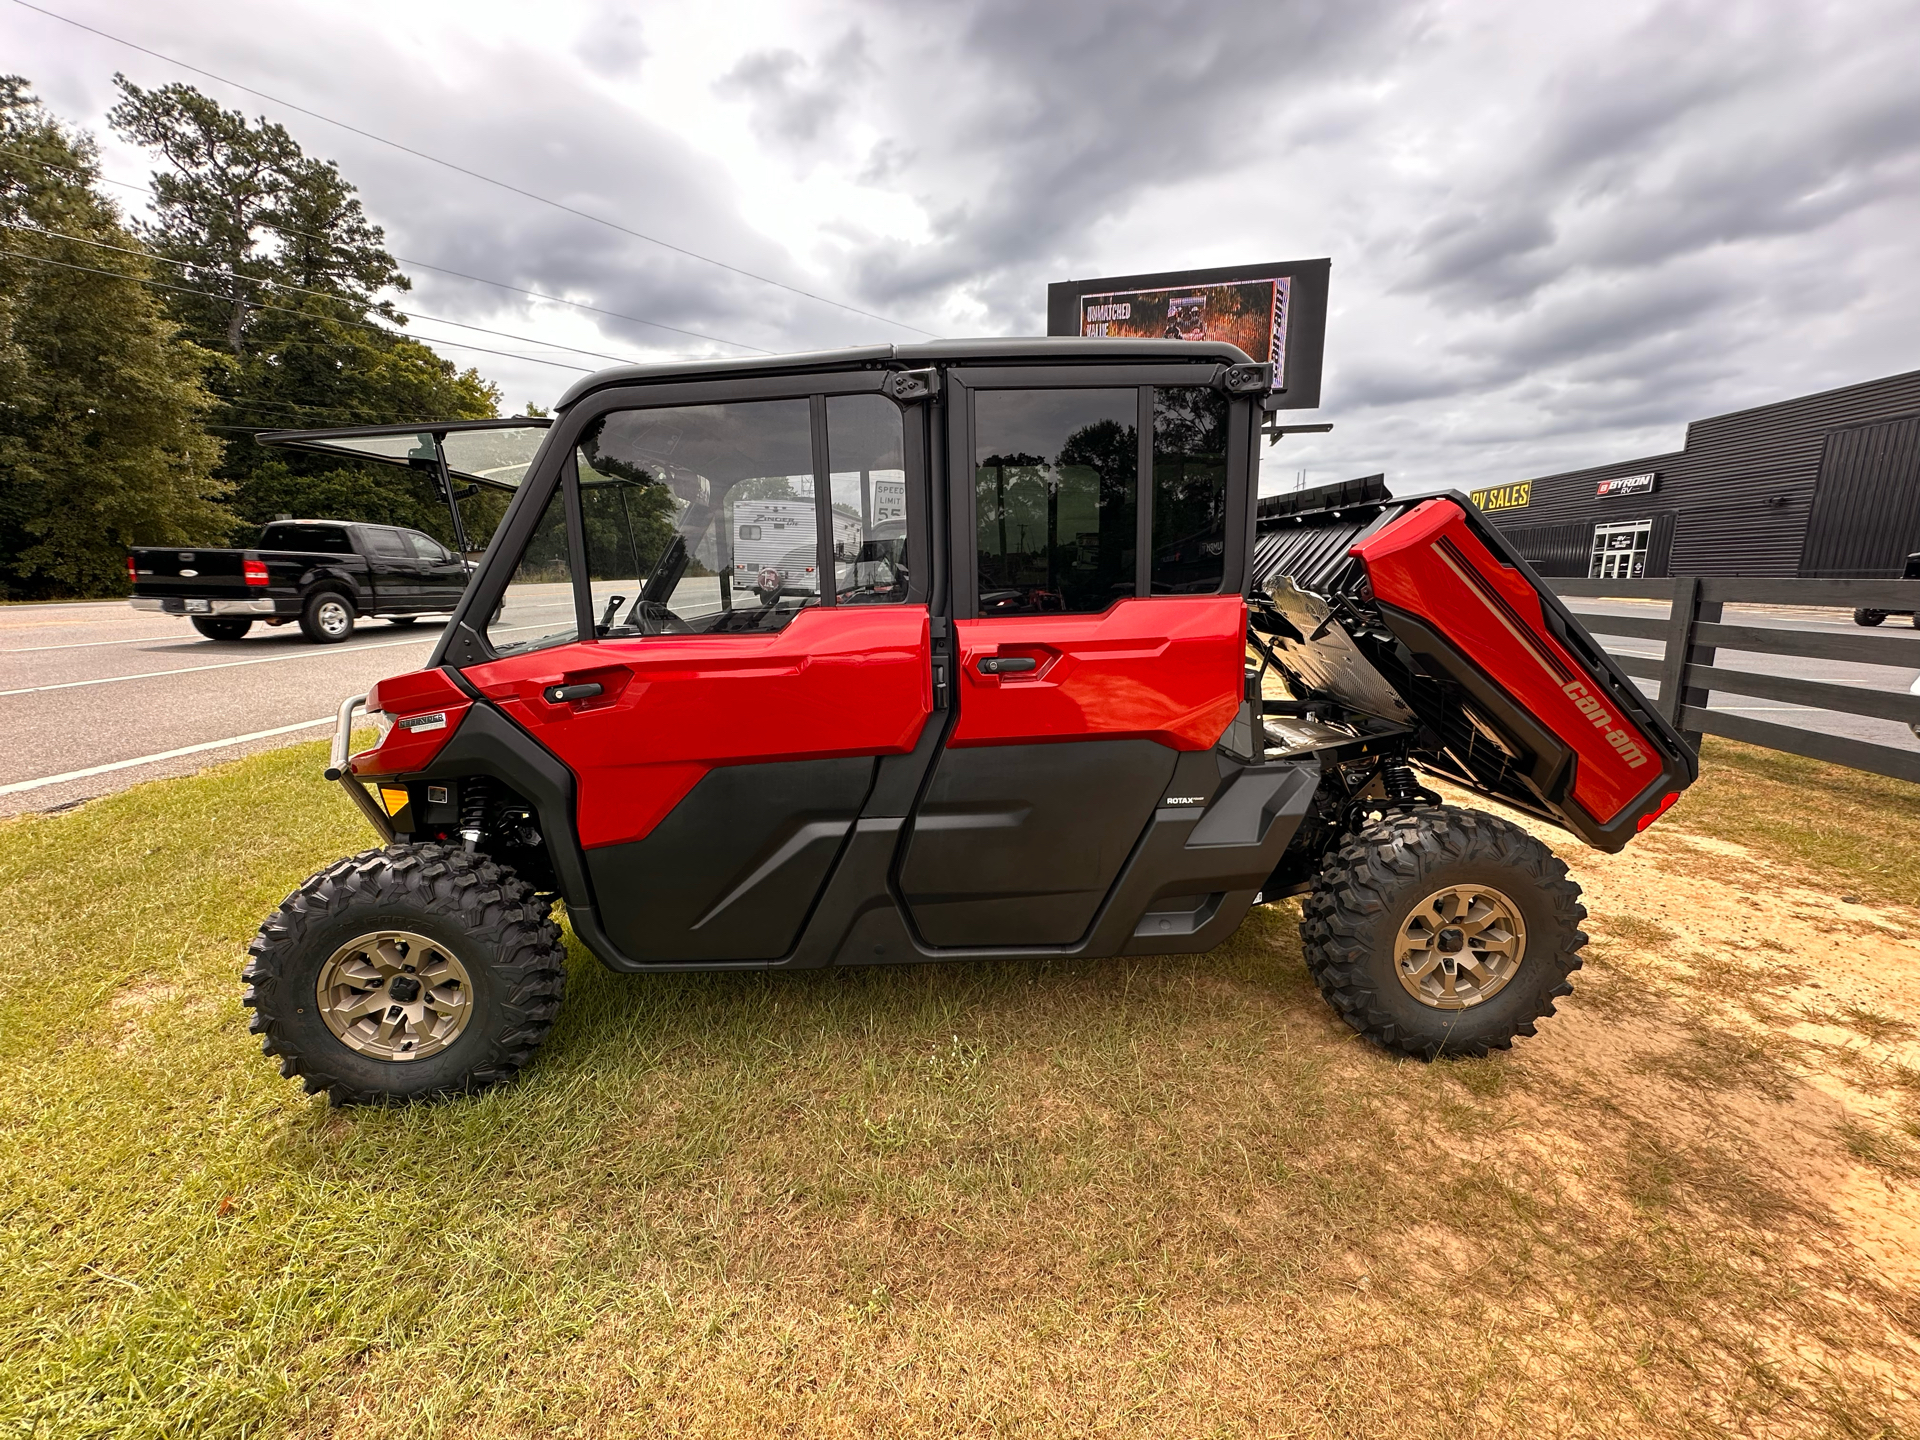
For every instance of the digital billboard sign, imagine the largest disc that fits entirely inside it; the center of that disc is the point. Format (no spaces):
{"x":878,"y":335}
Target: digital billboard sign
{"x":1276,"y":313}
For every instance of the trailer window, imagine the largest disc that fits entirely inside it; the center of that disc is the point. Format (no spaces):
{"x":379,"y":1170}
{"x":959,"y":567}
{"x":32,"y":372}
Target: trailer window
{"x":1189,"y":491}
{"x":537,"y":609}
{"x":1055,"y":480}
{"x":868,"y":479}
{"x":700,"y":519}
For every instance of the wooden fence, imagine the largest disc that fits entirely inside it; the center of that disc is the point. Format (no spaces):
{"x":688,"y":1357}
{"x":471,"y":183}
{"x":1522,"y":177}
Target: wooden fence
{"x":1693,"y":633}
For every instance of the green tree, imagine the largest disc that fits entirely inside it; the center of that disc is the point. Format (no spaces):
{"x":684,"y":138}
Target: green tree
{"x":101,"y":399}
{"x":291,"y":273}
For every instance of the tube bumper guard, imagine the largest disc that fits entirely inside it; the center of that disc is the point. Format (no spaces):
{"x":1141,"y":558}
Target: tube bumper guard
{"x":337,"y":769}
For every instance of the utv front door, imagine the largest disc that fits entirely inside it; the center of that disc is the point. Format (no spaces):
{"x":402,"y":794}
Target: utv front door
{"x":1097,"y":551}
{"x":723,"y":720}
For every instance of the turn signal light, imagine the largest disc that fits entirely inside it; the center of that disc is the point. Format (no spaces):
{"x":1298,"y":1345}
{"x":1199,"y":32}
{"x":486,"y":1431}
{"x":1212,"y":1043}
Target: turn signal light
{"x":255,"y":571}
{"x":1654,"y":814}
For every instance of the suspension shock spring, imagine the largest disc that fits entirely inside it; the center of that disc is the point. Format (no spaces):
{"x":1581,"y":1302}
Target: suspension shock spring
{"x":475,"y":794}
{"x":1402,"y":788}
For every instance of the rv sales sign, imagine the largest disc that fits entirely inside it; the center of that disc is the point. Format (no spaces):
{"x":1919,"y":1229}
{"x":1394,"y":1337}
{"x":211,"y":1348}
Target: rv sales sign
{"x":1628,"y":485}
{"x":1504,"y":497}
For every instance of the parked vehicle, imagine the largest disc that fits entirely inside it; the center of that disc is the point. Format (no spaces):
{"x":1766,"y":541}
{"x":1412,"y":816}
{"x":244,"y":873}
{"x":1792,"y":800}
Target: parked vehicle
{"x":765,"y":557}
{"x":324,"y":575}
{"x":1875,"y":617}
{"x":1020,"y":745}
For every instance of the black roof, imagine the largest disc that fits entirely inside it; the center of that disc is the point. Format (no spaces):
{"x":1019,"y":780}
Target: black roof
{"x":914,"y":357}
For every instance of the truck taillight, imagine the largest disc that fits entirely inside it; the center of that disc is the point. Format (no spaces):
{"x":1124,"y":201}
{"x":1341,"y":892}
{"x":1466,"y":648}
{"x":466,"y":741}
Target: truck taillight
{"x":133,"y":573}
{"x":255,"y":571}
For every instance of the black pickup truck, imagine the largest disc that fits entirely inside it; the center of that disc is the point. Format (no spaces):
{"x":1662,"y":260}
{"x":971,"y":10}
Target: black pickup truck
{"x":322,"y":574}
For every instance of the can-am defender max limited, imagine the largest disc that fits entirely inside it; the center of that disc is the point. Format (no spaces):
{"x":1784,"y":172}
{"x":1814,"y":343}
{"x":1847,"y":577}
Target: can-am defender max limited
{"x":1082,"y":702}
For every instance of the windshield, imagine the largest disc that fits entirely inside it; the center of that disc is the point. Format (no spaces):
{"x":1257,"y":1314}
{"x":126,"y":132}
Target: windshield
{"x":494,"y":452}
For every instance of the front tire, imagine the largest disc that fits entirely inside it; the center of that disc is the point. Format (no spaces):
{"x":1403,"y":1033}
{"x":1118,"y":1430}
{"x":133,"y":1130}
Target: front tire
{"x":408,"y":973}
{"x":222,"y":627}
{"x":1443,"y":932}
{"x":327,"y":617}
{"x":1869,"y":617}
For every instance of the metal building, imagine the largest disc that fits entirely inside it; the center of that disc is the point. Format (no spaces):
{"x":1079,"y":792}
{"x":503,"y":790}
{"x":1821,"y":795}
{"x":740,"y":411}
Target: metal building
{"x":1824,"y":485}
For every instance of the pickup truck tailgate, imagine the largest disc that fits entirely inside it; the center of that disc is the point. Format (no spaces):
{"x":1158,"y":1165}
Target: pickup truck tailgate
{"x":215,"y":574}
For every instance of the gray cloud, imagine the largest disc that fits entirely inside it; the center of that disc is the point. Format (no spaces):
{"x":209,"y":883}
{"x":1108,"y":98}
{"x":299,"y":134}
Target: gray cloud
{"x":1557,"y":234}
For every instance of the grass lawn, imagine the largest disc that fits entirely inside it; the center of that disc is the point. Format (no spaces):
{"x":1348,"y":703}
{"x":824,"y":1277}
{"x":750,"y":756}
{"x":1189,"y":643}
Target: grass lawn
{"x":1160,"y":1197}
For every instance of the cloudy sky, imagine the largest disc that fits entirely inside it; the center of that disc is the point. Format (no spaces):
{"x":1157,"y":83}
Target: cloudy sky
{"x":1558,"y":232}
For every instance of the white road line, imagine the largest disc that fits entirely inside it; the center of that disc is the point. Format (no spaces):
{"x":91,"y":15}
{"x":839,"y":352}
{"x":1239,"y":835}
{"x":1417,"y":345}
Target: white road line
{"x":90,"y":644}
{"x":313,"y":654}
{"x":20,"y":785}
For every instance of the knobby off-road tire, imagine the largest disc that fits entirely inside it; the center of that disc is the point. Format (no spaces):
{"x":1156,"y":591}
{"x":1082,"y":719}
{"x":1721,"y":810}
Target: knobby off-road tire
{"x":222,"y":627}
{"x":327,"y":617}
{"x":437,"y":899}
{"x":1363,"y":906}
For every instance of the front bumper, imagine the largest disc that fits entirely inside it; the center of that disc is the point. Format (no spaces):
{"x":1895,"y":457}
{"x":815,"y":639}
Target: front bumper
{"x":339,"y":770}
{"x":177,"y":605}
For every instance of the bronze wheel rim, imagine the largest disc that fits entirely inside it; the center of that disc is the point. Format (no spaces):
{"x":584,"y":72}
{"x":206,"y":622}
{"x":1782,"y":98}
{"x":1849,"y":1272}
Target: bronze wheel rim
{"x":1460,"y":947}
{"x":395,"y":995}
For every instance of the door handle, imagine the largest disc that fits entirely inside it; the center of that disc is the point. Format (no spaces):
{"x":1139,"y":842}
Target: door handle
{"x":567,"y":694}
{"x":1006,"y":664}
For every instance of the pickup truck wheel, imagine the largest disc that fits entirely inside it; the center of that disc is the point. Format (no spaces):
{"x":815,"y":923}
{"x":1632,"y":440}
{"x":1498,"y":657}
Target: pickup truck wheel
{"x":408,"y":973}
{"x":326,"y":618}
{"x":1443,"y":932}
{"x":1868,"y":617}
{"x":222,"y":627}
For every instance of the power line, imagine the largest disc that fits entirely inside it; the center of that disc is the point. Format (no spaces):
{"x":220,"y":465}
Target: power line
{"x":476,"y":175}
{"x":286,"y":310}
{"x":418,"y":264}
{"x":303,"y":290}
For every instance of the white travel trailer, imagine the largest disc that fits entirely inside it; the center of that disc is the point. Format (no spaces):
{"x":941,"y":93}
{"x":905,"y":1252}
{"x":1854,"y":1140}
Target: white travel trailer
{"x":773,"y":546}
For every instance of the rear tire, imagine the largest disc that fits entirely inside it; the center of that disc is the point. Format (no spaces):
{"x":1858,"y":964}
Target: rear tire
{"x":478,"y":921}
{"x":1380,"y":895}
{"x":1868,"y":617}
{"x":327,"y":617}
{"x":402,"y":619}
{"x":222,"y":627}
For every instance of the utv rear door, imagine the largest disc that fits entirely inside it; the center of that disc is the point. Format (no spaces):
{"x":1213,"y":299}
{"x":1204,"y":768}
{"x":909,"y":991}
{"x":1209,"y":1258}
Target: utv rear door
{"x":1097,"y":534}
{"x":723,"y":724}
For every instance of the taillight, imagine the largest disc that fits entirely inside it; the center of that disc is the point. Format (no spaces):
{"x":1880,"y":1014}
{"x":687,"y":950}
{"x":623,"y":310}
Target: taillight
{"x":1654,"y":814}
{"x":255,"y":571}
{"x":133,"y":573}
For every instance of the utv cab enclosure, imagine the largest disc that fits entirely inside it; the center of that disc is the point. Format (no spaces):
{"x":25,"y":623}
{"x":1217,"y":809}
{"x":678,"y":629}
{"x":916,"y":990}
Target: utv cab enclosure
{"x":1054,"y":690}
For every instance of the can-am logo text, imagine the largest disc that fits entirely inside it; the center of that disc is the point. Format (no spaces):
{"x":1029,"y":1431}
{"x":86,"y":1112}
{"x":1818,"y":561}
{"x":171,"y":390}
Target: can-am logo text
{"x":1616,"y":737}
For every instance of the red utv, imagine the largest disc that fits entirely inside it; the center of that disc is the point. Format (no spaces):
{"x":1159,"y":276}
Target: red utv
{"x":1090,"y":708}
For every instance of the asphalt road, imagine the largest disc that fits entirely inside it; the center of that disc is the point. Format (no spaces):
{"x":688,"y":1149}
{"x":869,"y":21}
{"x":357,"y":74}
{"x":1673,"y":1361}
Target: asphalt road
{"x":101,"y":684}
{"x":103,"y":688}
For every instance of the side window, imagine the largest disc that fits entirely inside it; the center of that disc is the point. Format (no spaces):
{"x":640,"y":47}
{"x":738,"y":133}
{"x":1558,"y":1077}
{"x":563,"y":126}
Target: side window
{"x":386,"y":543}
{"x":427,"y":548}
{"x":1055,"y":476}
{"x":700,"y":519}
{"x":537,"y":609}
{"x":868,"y":485}
{"x":1189,"y":491}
